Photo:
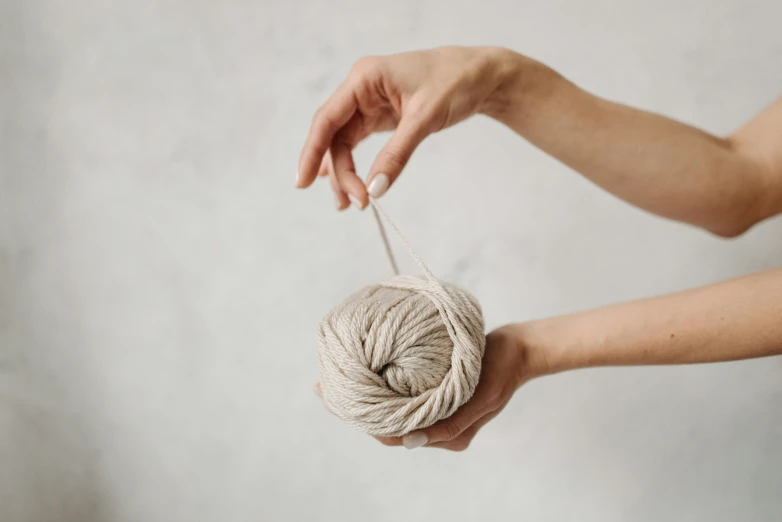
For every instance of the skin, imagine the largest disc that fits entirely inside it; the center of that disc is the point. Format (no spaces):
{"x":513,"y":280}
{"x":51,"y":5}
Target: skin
{"x":724,"y":185}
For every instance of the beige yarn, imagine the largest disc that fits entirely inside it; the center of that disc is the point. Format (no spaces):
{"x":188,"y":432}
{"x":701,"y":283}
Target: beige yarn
{"x":403,"y":354}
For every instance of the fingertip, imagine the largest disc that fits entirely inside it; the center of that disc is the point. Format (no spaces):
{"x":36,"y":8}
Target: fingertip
{"x":415,"y":439}
{"x":341,"y":202}
{"x":356,"y":202}
{"x":389,"y":441}
{"x":355,"y":190}
{"x":345,"y":177}
{"x":304,"y":179}
{"x":378,"y":185}
{"x":311,"y":162}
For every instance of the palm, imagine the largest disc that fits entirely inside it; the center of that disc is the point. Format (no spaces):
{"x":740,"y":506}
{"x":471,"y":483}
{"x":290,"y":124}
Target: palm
{"x":506,"y":366}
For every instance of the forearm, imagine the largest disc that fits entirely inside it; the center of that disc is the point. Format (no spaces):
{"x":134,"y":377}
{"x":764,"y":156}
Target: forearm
{"x":736,"y":319}
{"x":660,"y":165}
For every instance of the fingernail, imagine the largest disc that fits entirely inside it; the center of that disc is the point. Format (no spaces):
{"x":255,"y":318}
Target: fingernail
{"x":353,"y":199}
{"x":317,"y":390}
{"x":415,"y":440}
{"x":298,"y":177}
{"x":378,"y":186}
{"x":338,"y":202}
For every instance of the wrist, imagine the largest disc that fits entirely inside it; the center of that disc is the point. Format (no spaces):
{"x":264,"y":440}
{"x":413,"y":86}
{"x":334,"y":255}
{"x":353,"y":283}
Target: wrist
{"x":548,"y":346}
{"x":516,"y":81}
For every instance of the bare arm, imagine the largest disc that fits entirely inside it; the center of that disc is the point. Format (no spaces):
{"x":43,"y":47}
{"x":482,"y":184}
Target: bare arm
{"x":724,"y":185}
{"x":736,"y":319}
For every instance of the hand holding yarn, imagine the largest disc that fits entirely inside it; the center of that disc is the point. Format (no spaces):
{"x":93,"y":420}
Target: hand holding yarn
{"x":509,"y":361}
{"x":405,"y":355}
{"x":412,"y":94}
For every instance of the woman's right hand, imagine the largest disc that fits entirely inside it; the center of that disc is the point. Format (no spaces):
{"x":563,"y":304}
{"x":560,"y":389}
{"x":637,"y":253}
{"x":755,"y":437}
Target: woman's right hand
{"x":413,"y":94}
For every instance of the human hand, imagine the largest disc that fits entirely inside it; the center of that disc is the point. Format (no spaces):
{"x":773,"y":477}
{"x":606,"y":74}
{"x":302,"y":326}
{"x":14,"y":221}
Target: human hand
{"x":510,"y":360}
{"x":413,"y":94}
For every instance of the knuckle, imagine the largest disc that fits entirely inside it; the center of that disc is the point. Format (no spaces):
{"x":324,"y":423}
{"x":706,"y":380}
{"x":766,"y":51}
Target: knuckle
{"x":394,"y":159}
{"x":429,"y":113}
{"x":364,"y":66}
{"x":424,"y":106}
{"x":322,"y":121}
{"x":494,"y":399}
{"x":452,"y":430}
{"x":317,"y":116}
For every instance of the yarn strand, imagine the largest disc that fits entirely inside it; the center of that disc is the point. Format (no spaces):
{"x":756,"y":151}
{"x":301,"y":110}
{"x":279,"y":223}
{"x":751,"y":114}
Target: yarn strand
{"x":381,"y":216}
{"x":384,"y":237}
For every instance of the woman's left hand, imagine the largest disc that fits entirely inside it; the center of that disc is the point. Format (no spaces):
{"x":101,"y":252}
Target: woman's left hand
{"x":508,"y":362}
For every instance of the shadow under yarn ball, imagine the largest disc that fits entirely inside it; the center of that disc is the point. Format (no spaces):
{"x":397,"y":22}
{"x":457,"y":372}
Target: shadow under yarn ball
{"x":401,"y":355}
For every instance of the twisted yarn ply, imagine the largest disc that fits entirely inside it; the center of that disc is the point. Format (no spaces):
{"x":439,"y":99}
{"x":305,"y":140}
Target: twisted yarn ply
{"x":402,"y":354}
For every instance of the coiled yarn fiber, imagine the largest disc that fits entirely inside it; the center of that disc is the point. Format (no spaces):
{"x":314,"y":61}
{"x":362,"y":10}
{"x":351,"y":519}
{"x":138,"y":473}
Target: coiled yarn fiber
{"x":403,"y":354}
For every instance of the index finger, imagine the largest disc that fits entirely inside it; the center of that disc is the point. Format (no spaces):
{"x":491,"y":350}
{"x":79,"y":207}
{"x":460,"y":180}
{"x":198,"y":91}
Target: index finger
{"x":331,"y":117}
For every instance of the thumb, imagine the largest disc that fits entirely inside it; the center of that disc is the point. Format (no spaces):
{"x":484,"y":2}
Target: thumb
{"x":389,"y":163}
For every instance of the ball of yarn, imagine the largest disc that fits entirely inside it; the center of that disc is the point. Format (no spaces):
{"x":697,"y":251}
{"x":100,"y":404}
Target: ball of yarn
{"x":401,"y":355}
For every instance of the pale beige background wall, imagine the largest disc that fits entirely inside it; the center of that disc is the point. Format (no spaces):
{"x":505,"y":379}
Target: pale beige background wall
{"x":160,"y":280}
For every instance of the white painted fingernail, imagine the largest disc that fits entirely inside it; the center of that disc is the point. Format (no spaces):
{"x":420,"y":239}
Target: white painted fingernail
{"x":415,"y":440}
{"x":353,"y":199}
{"x":338,"y":202}
{"x":378,"y":186}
